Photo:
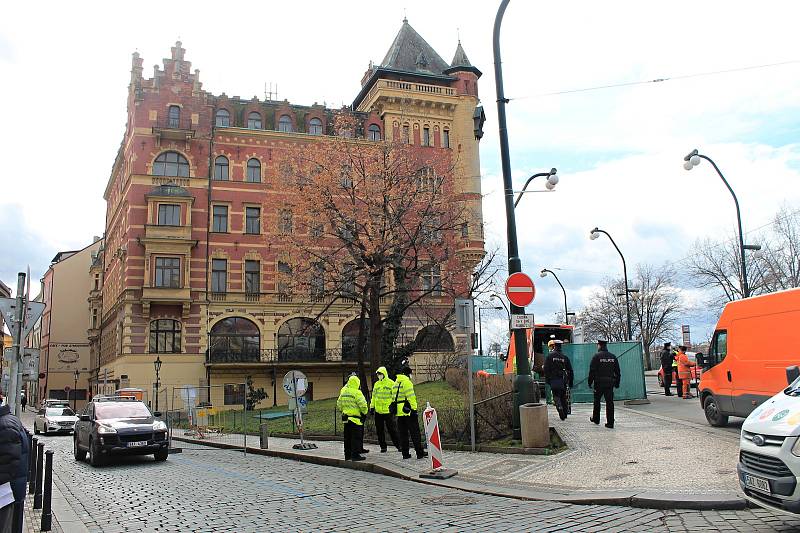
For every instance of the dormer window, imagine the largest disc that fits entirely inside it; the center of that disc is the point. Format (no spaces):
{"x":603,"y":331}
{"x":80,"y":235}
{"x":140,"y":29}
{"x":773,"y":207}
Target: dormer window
{"x":174,"y":116}
{"x":223,"y":118}
{"x":254,"y":120}
{"x":285,"y":124}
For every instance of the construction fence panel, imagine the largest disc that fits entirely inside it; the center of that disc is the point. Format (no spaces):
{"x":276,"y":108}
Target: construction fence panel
{"x":631,"y":364}
{"x":208,"y":418}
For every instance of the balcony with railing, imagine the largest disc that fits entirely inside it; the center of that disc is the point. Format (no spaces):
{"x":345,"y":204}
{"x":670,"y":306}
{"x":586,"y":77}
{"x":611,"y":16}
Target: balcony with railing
{"x":163,"y":231}
{"x":174,"y":129}
{"x":406,"y":87}
{"x":273,"y":356}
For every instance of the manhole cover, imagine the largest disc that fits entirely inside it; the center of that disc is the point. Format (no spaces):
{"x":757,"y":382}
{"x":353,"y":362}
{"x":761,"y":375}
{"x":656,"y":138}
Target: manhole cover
{"x":450,"y":500}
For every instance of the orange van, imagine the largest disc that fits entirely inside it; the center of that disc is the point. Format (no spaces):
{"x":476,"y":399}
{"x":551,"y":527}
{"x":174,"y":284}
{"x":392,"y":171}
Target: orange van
{"x":755,"y":341}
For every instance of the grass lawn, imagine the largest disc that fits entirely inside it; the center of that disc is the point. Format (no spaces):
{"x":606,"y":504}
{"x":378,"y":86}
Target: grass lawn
{"x":323,"y":418}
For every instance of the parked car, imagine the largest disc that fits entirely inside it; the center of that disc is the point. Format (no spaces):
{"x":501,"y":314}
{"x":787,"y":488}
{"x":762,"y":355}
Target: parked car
{"x":54,"y":420}
{"x":118,"y":426}
{"x":55,"y":403}
{"x":769,"y":456}
{"x":696,"y":371}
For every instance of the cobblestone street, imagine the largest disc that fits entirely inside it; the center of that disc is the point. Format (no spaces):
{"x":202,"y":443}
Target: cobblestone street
{"x":205,"y":491}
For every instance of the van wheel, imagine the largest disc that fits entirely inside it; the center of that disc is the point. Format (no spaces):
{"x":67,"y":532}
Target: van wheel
{"x":713,"y":414}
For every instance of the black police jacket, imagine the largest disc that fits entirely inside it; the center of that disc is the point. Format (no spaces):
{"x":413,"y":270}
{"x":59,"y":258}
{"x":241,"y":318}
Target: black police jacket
{"x":14,"y":447}
{"x":666,"y":360}
{"x":558,"y":370}
{"x":604,"y":371}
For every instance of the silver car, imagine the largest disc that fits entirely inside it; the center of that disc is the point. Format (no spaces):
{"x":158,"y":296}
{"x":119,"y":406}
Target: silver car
{"x":54,"y":420}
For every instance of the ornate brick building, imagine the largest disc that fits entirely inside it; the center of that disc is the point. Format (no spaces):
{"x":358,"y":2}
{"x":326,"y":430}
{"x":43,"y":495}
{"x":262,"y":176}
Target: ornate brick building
{"x":192,"y":263}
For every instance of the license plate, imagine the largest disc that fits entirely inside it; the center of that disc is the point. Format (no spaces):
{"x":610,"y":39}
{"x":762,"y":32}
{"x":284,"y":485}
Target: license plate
{"x":137,"y":443}
{"x":757,"y":483}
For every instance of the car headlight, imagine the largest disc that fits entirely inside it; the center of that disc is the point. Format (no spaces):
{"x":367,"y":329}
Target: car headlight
{"x":796,"y":447}
{"x":103,"y":430}
{"x":159,"y":425}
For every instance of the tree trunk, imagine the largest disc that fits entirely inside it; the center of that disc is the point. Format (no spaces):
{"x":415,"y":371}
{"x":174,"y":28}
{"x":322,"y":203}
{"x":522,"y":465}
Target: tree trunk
{"x":360,"y":345}
{"x":375,"y":329}
{"x":394,"y":320}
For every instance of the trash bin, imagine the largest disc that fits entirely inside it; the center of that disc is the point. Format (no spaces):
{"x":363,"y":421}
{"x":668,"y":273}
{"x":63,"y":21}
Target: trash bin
{"x":264,"y":436}
{"x":534,"y":425}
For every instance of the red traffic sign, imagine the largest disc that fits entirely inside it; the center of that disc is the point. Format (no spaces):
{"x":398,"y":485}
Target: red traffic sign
{"x":520,"y":289}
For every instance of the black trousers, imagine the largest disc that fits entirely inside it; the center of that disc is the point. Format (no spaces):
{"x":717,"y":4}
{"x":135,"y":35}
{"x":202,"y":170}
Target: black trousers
{"x":409,"y":425}
{"x":608,"y":394}
{"x":560,"y":401}
{"x":387,"y":421}
{"x":667,"y":382}
{"x":678,"y":384}
{"x":353,"y":439}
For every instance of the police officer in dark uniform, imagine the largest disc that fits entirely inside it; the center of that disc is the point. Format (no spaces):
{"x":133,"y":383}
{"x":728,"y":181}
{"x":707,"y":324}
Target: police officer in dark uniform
{"x":604,"y":374}
{"x":666,"y":366}
{"x":558,"y":374}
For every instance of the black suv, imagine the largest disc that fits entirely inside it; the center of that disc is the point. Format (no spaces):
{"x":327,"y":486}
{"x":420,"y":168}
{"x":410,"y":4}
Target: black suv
{"x":118,"y":426}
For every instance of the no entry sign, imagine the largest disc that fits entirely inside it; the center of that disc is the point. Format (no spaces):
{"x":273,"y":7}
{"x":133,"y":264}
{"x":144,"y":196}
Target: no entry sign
{"x":520,"y":289}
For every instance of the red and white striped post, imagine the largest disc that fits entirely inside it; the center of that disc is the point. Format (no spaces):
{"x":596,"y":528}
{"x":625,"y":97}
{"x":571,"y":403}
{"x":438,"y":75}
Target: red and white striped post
{"x":431,"y":422}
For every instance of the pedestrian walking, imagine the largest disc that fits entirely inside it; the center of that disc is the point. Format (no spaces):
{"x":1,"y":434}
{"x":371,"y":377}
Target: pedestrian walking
{"x":558,"y":374}
{"x":405,"y":405}
{"x":685,"y":371}
{"x":666,"y":367}
{"x":14,"y":453}
{"x":382,"y":396}
{"x":604,"y":374}
{"x":353,"y":405}
{"x":23,"y":400}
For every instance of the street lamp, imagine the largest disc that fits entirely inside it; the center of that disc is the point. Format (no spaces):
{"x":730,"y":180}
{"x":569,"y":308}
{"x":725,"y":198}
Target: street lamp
{"x":480,"y":328}
{"x":595,"y":233}
{"x":157,"y":366}
{"x":75,"y":390}
{"x":524,"y":387}
{"x":543,"y":274}
{"x":691,"y":160}
{"x":552,"y":181}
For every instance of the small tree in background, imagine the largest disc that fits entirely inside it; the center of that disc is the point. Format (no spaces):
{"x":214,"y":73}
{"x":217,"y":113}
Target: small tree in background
{"x":254,"y":396}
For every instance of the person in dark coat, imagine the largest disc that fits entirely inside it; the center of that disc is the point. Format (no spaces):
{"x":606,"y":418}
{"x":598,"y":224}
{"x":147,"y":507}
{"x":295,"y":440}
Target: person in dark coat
{"x":558,"y":374}
{"x":604,"y":374}
{"x":14,"y":453}
{"x":666,"y":366}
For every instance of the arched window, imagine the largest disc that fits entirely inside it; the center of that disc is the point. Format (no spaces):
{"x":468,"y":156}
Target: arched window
{"x":235,"y":340}
{"x":315,"y":126}
{"x":350,"y":341}
{"x":253,"y":170}
{"x":171,"y":164}
{"x":301,"y":339}
{"x":174,"y":117}
{"x":434,"y":339}
{"x":285,"y":123}
{"x":223,"y":118}
{"x":221,"y":168}
{"x":165,"y":336}
{"x":254,"y":120}
{"x":374,"y":132}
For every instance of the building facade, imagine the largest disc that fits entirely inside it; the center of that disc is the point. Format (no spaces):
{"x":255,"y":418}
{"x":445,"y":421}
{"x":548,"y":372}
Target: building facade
{"x":191,"y":268}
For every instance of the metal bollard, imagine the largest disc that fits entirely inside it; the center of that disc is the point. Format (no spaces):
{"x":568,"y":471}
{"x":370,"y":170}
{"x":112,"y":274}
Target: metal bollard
{"x":32,"y":466}
{"x":264,"y":432}
{"x":37,"y":496}
{"x":47,"y":514}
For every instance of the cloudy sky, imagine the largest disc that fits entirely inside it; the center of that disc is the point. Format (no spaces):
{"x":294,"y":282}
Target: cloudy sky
{"x":65,"y":69}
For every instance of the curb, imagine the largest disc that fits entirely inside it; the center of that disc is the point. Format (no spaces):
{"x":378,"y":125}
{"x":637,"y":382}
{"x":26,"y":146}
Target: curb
{"x":644,"y":499}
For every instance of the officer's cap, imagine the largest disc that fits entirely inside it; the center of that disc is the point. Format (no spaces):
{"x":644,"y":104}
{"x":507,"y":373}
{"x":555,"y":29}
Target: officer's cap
{"x":667,"y":344}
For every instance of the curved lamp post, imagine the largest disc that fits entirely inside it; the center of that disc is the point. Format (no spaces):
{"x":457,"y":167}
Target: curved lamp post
{"x":543,"y":274}
{"x":691,"y":160}
{"x":552,"y":181}
{"x":595,"y":233}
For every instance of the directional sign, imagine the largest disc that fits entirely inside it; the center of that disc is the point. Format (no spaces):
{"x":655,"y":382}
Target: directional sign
{"x":521,"y":321}
{"x":295,"y":383}
{"x":520,"y":289}
{"x":8,"y":308}
{"x":301,"y":401}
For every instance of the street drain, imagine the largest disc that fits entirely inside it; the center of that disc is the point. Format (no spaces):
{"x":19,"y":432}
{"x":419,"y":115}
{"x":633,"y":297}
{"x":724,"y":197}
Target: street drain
{"x":450,"y":500}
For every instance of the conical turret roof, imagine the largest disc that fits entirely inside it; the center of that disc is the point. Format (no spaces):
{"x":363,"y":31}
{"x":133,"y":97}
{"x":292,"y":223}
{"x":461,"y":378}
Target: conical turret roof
{"x":460,"y":59}
{"x":411,"y":53}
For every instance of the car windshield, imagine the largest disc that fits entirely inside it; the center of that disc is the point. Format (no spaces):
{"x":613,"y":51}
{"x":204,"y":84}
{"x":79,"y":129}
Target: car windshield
{"x":793,"y":389}
{"x":105,"y":410}
{"x":59,"y":411}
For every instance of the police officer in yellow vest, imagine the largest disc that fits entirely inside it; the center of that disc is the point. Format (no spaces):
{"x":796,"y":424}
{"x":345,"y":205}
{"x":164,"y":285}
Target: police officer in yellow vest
{"x":405,"y":400}
{"x":382,"y":396}
{"x":353,"y":407}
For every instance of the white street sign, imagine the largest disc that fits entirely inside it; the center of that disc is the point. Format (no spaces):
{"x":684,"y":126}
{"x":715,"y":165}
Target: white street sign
{"x":521,"y":321}
{"x":295,"y":383}
{"x":465,"y":320}
{"x":302,"y":401}
{"x":8,"y":308}
{"x":30,"y":364}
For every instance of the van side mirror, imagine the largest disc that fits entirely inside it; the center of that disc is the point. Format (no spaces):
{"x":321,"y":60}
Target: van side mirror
{"x":792,"y":373}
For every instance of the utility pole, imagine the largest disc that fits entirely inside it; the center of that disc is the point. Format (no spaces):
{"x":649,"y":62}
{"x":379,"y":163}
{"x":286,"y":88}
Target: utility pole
{"x":14,"y":399}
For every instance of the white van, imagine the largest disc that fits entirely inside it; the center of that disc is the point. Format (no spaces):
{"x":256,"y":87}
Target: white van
{"x":769,"y":456}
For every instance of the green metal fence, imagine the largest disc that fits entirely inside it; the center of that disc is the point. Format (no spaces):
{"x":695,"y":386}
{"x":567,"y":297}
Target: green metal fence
{"x":492,"y":365}
{"x":631,"y":366}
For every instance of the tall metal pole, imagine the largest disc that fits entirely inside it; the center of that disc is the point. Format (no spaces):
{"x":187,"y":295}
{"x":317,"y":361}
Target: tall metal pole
{"x":566,"y":312}
{"x":625,"y":274}
{"x":523,"y":381}
{"x":15,"y":369}
{"x":480,"y":333}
